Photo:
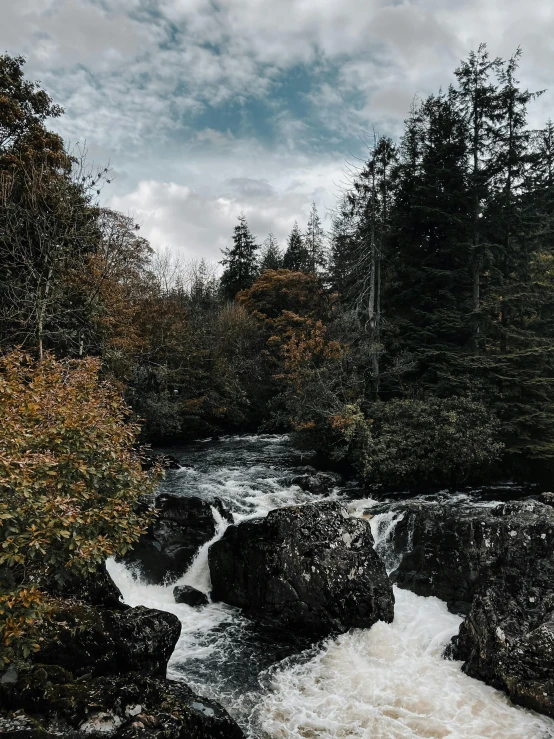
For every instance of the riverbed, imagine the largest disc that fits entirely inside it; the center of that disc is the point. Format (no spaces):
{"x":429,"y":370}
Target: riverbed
{"x":387,"y":682}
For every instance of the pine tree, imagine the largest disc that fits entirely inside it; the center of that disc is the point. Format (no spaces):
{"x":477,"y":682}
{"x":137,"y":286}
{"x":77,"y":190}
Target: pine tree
{"x":203,"y":289}
{"x":370,"y":203}
{"x":271,"y":257}
{"x":239,"y":261}
{"x":342,"y":275}
{"x":429,"y":293}
{"x":507,"y":217}
{"x":476,"y":97}
{"x":518,"y":366}
{"x":314,"y":242}
{"x":296,"y":257}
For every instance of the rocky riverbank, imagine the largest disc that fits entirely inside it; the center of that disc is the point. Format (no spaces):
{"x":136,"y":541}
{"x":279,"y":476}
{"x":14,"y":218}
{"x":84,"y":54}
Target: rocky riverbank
{"x":101,"y":671}
{"x":494,"y":564}
{"x":298,"y":559}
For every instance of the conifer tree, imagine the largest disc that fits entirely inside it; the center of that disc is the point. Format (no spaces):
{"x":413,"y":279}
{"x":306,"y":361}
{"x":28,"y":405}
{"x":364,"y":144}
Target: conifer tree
{"x":341,"y":271}
{"x":203,"y":289}
{"x":239,"y":261}
{"x":508,"y":217}
{"x":271,"y":257}
{"x":314,"y":242}
{"x":296,"y":257}
{"x":476,"y":97}
{"x":428,"y":298}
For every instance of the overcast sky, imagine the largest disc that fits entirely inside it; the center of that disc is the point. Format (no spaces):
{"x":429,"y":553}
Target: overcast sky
{"x":206,"y":108}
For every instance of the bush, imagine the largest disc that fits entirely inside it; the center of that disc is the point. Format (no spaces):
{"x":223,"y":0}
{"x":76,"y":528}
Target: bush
{"x":69,"y":483}
{"x":410,"y":442}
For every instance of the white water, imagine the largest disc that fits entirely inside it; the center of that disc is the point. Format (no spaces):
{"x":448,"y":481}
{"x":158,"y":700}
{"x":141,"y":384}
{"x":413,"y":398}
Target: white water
{"x":389,"y":682}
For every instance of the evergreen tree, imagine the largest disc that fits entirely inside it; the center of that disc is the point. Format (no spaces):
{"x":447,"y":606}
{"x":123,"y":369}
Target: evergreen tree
{"x":271,"y":257}
{"x":314,"y":242}
{"x":203,"y":289}
{"x":296,"y":257}
{"x":370,"y":204}
{"x":342,"y":261}
{"x":508,"y":216}
{"x":428,"y":296}
{"x":239,"y":261}
{"x":476,"y":97}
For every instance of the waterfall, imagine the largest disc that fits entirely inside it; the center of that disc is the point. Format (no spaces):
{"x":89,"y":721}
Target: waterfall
{"x":198,"y":574}
{"x":382,"y":528}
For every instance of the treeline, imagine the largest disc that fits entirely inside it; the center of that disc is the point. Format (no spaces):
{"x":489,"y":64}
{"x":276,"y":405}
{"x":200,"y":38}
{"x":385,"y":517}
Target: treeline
{"x":77,"y":279}
{"x":442,"y":258}
{"x":414,"y":341}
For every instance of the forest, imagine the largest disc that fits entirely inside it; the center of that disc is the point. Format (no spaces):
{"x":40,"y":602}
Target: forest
{"x":414,"y":343}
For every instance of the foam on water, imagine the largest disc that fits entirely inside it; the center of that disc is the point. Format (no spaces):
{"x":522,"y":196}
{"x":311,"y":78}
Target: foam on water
{"x":391,"y":682}
{"x":196,"y":622}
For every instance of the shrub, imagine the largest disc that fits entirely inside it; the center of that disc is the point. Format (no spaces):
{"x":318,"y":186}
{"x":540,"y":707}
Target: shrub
{"x":409,"y":442}
{"x":69,"y":483}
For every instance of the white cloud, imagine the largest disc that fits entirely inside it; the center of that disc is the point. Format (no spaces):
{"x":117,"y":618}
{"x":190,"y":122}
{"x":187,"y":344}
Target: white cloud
{"x":134,"y":75}
{"x":198,"y":224}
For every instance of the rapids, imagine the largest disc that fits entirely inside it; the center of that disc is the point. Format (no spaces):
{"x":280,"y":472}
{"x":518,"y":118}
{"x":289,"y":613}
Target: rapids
{"x":388,"y":682}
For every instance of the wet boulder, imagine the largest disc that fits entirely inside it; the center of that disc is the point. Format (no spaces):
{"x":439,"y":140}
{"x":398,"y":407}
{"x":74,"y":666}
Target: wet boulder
{"x":317,"y":483}
{"x":95,"y":588}
{"x":309,"y":568}
{"x":507,"y":640}
{"x":182,"y":526}
{"x":453,"y":551}
{"x":83,"y":639}
{"x":547,"y":499}
{"x":190,"y":596}
{"x":101,"y":672}
{"x":125,"y":706}
{"x":494,"y":564}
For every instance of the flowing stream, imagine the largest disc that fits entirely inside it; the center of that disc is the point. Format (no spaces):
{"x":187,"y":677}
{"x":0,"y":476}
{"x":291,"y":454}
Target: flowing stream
{"x":387,"y":682}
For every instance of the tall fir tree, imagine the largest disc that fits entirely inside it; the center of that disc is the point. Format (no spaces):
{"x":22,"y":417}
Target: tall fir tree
{"x":296,"y":257}
{"x":370,"y":204}
{"x":314,"y":242}
{"x":476,"y":97}
{"x":342,"y":275}
{"x":508,"y":218}
{"x":270,"y":257}
{"x":239,"y":261}
{"x":428,"y":296}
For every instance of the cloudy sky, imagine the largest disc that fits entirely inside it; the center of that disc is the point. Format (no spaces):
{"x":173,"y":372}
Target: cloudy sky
{"x":206,"y":108}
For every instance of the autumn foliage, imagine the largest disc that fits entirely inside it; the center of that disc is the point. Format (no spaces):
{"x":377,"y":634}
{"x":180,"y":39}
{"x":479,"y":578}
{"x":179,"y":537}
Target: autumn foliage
{"x":69,"y":483}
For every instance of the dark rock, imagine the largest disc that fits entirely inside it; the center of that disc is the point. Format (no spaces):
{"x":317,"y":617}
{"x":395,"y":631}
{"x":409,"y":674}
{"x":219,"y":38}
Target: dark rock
{"x":455,"y":551}
{"x":310,"y":568}
{"x":21,"y":726}
{"x":183,"y":525}
{"x":318,"y":483}
{"x":95,"y":588}
{"x":507,"y":640}
{"x":118,"y":706}
{"x":83,"y":639}
{"x":190,"y":596}
{"x":547,"y":499}
{"x":102,"y":672}
{"x":497,"y":565}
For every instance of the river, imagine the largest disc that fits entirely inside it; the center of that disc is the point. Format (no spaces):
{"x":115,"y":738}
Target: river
{"x":388,"y":682}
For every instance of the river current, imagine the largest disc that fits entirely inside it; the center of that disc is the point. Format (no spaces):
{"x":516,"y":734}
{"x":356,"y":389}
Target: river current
{"x":387,"y":682}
